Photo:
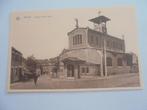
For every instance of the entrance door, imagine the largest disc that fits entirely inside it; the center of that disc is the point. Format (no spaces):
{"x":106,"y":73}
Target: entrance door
{"x":98,"y":70}
{"x":70,"y":70}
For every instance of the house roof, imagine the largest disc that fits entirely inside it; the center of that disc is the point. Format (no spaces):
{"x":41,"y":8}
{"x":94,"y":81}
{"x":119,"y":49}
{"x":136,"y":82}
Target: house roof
{"x":16,"y":51}
{"x":89,"y":55}
{"x":79,"y":28}
{"x":98,"y":32}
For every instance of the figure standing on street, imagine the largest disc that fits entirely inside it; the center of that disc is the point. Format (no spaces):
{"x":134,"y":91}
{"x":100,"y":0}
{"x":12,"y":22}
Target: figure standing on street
{"x":36,"y":75}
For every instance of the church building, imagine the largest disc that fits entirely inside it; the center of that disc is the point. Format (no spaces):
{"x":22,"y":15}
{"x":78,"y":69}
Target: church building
{"x":93,"y":53}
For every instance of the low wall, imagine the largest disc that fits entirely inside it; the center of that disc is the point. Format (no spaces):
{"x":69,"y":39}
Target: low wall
{"x":118,"y":70}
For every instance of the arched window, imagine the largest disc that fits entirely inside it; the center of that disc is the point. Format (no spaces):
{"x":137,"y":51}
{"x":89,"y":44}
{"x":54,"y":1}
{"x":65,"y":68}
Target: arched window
{"x":77,"y":39}
{"x":87,"y":70}
{"x":92,"y":39}
{"x":119,"y":62}
{"x":109,"y":61}
{"x":80,"y":37}
{"x":83,"y":70}
{"x":73,"y":40}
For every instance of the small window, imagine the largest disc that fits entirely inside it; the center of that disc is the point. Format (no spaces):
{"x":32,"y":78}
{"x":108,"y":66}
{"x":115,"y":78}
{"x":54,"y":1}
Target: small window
{"x":109,"y":61}
{"x":83,"y":70}
{"x":121,"y":46}
{"x":92,"y":39}
{"x":129,"y":60}
{"x":108,"y":43}
{"x":97,"y":40}
{"x":87,"y":70}
{"x":119,"y":62}
{"x":73,"y":40}
{"x":76,"y":39}
{"x":80,"y":39}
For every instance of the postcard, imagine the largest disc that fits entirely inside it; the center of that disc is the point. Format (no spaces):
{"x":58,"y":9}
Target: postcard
{"x":74,"y":50}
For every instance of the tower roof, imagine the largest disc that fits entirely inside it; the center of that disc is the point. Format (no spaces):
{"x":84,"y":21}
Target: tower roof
{"x":100,"y":19}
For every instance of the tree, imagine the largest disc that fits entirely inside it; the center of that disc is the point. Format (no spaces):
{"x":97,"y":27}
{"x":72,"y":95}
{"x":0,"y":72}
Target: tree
{"x":31,"y":63}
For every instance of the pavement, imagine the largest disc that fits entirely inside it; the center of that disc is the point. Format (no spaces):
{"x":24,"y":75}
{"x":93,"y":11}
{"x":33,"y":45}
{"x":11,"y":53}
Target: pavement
{"x":113,"y":81}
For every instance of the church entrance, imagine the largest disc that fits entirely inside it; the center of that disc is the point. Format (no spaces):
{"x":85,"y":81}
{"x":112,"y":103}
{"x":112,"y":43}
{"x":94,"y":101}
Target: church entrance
{"x":70,"y":70}
{"x":72,"y":66}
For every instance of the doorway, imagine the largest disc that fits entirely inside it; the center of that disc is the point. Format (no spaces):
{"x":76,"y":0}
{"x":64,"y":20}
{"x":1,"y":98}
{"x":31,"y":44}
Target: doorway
{"x":70,"y":70}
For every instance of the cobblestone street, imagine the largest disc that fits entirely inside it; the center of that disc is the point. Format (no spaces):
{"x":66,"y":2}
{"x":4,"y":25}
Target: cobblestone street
{"x":44,"y":82}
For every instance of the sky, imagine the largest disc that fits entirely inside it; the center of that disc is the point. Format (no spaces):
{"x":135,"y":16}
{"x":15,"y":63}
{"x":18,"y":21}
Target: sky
{"x":44,"y":33}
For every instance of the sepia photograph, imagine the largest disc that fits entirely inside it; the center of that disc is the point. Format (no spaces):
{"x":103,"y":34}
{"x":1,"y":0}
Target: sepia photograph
{"x":74,"y":50}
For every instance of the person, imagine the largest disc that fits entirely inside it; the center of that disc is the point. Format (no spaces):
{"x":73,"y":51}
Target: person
{"x":36,"y":75}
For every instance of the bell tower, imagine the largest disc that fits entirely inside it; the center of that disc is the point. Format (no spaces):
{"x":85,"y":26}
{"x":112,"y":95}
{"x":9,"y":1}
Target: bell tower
{"x":100,"y":23}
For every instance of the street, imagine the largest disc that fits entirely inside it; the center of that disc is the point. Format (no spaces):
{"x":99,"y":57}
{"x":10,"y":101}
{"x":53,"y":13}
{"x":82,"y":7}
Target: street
{"x":113,"y":81}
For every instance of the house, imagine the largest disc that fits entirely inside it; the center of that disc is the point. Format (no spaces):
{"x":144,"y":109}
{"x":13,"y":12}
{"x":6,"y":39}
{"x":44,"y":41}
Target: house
{"x":16,"y":65}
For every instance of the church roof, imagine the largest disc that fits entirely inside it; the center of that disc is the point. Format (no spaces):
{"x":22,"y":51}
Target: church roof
{"x":100,"y":19}
{"x":98,"y":32}
{"x":89,"y":55}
